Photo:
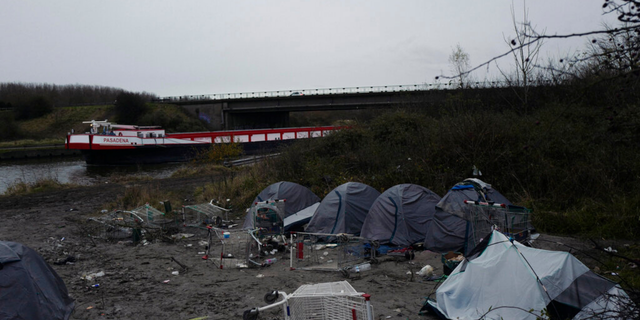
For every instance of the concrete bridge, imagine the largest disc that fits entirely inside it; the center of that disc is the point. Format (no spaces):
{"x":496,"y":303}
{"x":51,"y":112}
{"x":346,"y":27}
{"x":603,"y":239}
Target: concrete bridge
{"x":270,"y":109}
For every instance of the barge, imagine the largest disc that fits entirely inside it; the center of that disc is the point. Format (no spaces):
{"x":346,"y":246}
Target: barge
{"x":107,"y":143}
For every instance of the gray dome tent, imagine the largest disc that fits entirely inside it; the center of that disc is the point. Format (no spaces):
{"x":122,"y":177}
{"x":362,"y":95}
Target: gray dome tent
{"x":344,"y":209}
{"x":297,"y":198}
{"x":29,"y":287}
{"x":447,"y":231}
{"x":400,"y":215}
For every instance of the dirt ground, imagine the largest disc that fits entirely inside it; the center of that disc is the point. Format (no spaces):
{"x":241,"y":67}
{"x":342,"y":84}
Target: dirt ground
{"x":134,"y":284}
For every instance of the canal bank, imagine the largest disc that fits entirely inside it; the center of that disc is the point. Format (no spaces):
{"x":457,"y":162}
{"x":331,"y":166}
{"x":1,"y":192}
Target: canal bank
{"x":36,"y":152}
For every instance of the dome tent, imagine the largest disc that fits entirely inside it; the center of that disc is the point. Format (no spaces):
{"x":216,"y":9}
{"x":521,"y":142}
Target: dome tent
{"x":503,"y":279}
{"x":448,"y":230}
{"x":400,"y":215}
{"x":297,"y":198}
{"x":29,"y":287}
{"x":344,"y":209}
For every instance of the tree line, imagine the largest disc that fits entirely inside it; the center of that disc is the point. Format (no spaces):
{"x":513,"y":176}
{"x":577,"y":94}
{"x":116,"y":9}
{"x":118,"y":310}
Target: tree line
{"x":32,"y":100}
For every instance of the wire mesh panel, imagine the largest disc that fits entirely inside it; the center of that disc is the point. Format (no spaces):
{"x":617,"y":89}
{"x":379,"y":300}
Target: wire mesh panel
{"x":318,"y":251}
{"x":513,"y":221}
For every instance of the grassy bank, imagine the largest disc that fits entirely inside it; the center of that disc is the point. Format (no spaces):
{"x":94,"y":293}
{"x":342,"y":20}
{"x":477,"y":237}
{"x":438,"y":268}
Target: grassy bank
{"x":575,"y":165}
{"x":41,"y":185}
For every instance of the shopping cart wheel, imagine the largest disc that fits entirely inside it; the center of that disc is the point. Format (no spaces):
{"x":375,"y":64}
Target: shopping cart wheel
{"x":271,"y":297}
{"x":250,"y":314}
{"x":218,"y":221}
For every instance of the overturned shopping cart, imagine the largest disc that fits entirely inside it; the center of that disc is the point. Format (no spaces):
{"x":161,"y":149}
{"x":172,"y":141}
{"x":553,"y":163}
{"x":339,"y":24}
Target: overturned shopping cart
{"x":329,"y":252}
{"x":204,"y":214}
{"x":322,"y":301}
{"x":144,"y":221}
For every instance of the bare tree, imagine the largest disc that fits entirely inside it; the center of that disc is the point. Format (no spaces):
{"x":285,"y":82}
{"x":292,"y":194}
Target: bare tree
{"x":525,"y":57}
{"x":459,"y":61}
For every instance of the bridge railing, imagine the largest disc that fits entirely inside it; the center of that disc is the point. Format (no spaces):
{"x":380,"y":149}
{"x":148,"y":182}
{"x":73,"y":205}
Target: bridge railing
{"x":330,"y":91}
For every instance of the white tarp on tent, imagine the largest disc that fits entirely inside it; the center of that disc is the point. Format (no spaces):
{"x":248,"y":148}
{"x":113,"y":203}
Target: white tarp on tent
{"x":507,"y":280}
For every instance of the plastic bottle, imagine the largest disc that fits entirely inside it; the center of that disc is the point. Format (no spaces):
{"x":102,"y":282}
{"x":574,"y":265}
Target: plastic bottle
{"x":362,"y":267}
{"x":269,"y":261}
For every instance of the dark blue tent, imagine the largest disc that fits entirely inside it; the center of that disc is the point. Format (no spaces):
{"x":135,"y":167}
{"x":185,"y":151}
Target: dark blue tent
{"x":400,"y":215}
{"x":344,"y":209}
{"x":29,"y":287}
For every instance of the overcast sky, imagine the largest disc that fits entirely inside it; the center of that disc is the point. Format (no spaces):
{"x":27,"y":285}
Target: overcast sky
{"x":182,"y":47}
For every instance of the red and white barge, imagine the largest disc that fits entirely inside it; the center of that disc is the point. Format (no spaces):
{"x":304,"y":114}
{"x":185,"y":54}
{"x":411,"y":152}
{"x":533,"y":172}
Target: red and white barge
{"x":109,"y":143}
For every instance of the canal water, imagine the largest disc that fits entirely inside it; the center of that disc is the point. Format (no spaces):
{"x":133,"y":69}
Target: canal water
{"x":73,"y":170}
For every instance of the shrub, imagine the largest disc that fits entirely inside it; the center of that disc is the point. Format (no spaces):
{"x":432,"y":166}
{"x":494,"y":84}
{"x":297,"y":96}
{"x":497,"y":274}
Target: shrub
{"x":9,"y":129}
{"x":33,"y":108}
{"x":130,"y":107}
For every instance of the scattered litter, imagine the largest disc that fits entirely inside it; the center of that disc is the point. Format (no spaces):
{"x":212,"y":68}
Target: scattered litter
{"x":361,"y":267}
{"x":242,"y":265}
{"x":201,"y":252}
{"x":203,"y":243}
{"x":397,"y":310}
{"x":166,"y":281}
{"x":325,"y":253}
{"x":189,"y":245}
{"x":409,"y":272}
{"x":97,"y":285}
{"x":426,"y":271}
{"x":388,"y":317}
{"x":274,"y":251}
{"x":332,"y":245}
{"x":260,"y":276}
{"x":145,"y":242}
{"x":614,"y":274}
{"x":320,"y":246}
{"x":92,"y":276}
{"x":269,"y":261}
{"x":175,"y":273}
{"x":104,"y":211}
{"x":609,"y":249}
{"x":67,"y":260}
{"x":62,"y":239}
{"x":329,"y":261}
{"x":89,"y":307}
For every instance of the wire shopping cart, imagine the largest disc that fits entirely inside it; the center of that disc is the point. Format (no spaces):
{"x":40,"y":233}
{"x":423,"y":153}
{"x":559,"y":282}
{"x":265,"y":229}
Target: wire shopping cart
{"x":513,"y":221}
{"x":322,"y":301}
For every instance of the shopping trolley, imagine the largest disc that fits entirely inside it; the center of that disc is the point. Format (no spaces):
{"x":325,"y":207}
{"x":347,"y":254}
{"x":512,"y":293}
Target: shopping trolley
{"x":322,"y":301}
{"x":513,"y":221}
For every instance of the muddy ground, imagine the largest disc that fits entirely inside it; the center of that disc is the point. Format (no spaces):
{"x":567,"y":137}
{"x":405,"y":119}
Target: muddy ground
{"x":134,"y":284}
